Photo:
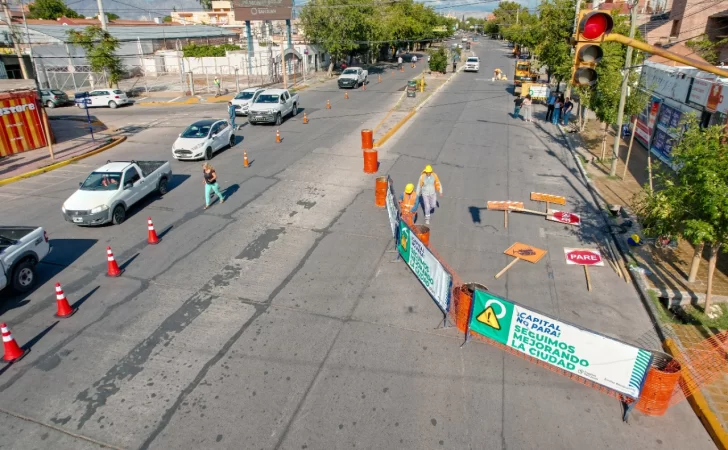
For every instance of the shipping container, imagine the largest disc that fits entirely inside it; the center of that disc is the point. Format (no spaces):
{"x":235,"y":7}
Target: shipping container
{"x":21,"y":125}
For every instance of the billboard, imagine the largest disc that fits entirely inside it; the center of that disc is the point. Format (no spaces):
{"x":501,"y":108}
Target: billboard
{"x":590,"y":355}
{"x":21,"y":123}
{"x":262,"y":9}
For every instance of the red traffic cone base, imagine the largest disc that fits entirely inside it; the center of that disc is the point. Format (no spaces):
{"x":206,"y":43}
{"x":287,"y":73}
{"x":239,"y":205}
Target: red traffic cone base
{"x":13,"y":352}
{"x":64,"y":308}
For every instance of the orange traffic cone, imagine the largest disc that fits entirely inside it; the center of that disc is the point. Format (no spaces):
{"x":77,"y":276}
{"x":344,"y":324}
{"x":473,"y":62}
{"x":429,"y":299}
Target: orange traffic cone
{"x":364,"y":86}
{"x":64,"y":309}
{"x":113,"y":270}
{"x":13,"y":352}
{"x":305,"y":119}
{"x":151,"y":235}
{"x":245,"y":159}
{"x":278,"y":137}
{"x":328,"y":104}
{"x":401,"y":69}
{"x":346,"y":95}
{"x":379,"y":79}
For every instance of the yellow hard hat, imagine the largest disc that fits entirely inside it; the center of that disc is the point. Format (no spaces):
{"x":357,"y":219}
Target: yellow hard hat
{"x":635,"y":238}
{"x":428,"y":169}
{"x":409,"y":188}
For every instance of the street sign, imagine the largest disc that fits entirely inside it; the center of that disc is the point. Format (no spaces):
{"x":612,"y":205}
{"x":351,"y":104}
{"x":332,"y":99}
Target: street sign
{"x":522,"y":251}
{"x":564,"y":217}
{"x":548,"y":198}
{"x":583,"y":257}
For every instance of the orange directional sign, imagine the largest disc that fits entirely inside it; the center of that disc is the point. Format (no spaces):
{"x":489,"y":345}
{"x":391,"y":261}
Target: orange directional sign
{"x":525,"y":252}
{"x":548,"y":198}
{"x":504,"y":206}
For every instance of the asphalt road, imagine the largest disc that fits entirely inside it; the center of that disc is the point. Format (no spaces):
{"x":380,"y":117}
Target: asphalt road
{"x":277,"y":319}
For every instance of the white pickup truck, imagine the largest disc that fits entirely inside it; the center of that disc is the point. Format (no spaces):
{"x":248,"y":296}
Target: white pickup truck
{"x":21,"y":248}
{"x":353,"y":77}
{"x":109,"y":191}
{"x":272,"y":105}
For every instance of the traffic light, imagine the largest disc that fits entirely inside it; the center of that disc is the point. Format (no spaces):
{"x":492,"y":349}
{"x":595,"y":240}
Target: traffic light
{"x":593,"y":25}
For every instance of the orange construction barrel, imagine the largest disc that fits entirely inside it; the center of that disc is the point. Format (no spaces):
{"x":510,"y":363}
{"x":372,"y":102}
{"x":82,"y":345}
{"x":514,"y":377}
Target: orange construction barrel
{"x":660,"y":384}
{"x":371,"y":163}
{"x":423,"y":234}
{"x":462,"y":299}
{"x":380,"y":191}
{"x":367,"y":139}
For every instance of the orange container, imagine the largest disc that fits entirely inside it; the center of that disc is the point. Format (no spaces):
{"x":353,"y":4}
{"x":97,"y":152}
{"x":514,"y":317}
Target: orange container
{"x":21,"y":120}
{"x":462,"y":300}
{"x":380,"y":192}
{"x":660,"y":385}
{"x":367,"y":139}
{"x":371,"y":163}
{"x":423,"y":234}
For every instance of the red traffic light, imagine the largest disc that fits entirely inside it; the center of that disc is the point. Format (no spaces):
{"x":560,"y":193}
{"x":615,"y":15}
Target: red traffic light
{"x":595,"y":24}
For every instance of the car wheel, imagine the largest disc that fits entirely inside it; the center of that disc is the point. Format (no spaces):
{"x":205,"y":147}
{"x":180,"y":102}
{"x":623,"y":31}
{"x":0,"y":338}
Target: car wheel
{"x":163,"y":188}
{"x":232,"y":140}
{"x":208,"y":153}
{"x":24,"y":276}
{"x":50,"y":104}
{"x":113,"y":105}
{"x":278,"y":119}
{"x":295,"y":109}
{"x":119,"y":215}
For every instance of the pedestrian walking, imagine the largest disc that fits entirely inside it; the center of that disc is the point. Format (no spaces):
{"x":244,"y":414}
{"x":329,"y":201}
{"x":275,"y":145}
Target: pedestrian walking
{"x":454,"y":66}
{"x":399,"y":62}
{"x":211,"y":184}
{"x":408,"y":204}
{"x":558,"y":104}
{"x":527,"y":102}
{"x":232,"y":115}
{"x":550,"y":106}
{"x":216,"y":81}
{"x":517,"y":110}
{"x":566,"y":111}
{"x":414,"y":60}
{"x":428,"y":187}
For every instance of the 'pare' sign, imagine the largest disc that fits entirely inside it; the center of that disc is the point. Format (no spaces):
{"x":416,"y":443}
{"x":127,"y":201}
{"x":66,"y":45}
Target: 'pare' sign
{"x":583,"y":257}
{"x":564,"y":217}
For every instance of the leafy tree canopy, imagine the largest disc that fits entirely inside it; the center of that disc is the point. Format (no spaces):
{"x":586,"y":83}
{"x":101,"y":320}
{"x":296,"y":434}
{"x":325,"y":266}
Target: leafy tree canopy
{"x":50,"y":10}
{"x":100,"y":48}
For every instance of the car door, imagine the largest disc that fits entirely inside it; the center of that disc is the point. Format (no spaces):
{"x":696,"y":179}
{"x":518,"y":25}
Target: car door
{"x":256,"y":95}
{"x":132,"y":186}
{"x":215,"y":136}
{"x":96,"y":98}
{"x":288,"y":106}
{"x":223,"y":135}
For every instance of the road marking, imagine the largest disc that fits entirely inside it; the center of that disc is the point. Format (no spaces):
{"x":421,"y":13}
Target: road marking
{"x":174,"y":99}
{"x":143,"y":98}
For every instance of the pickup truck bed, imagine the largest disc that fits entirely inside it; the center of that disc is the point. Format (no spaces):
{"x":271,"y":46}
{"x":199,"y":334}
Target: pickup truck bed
{"x":149,"y":166}
{"x":10,"y":234}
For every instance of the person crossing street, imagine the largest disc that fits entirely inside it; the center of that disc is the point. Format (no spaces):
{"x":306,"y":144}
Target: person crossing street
{"x":408,"y":203}
{"x":231,"y":115}
{"x":428,"y":186}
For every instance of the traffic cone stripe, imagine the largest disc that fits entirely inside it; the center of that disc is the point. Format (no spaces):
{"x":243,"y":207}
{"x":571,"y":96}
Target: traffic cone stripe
{"x":7,"y":337}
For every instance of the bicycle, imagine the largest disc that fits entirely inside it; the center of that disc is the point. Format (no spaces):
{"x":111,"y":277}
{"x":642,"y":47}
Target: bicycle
{"x":662,"y":242}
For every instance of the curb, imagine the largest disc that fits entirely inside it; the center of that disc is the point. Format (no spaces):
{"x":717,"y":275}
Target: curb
{"x":700,"y":405}
{"x":189,"y":101}
{"x":57,"y":165}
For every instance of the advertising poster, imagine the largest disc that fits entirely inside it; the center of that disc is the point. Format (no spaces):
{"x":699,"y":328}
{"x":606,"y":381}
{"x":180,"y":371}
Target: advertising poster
{"x":425,"y":266}
{"x":699,"y":91}
{"x":647,"y":121}
{"x":608,"y":362}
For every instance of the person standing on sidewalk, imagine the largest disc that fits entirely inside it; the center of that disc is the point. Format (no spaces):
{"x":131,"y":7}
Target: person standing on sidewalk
{"x":232,"y":115}
{"x":216,"y":81}
{"x":454,"y":66}
{"x":517,"y":109}
{"x":550,"y":106}
{"x":527,"y":108}
{"x":399,"y":62}
{"x":414,"y":60}
{"x":568,"y":106}
{"x":408,"y":204}
{"x":211,"y":184}
{"x":428,"y":186}
{"x":558,"y":104}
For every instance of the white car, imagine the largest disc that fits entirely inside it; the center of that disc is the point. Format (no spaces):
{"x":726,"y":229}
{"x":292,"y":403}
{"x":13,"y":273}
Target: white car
{"x":112,"y":98}
{"x":244,"y":99}
{"x":472,"y":64}
{"x":203,"y":139}
{"x":353,"y":77}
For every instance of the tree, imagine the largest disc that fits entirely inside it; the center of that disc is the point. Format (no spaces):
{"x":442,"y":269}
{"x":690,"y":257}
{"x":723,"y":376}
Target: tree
{"x":555,"y":27}
{"x":167,"y":19}
{"x":692,"y":202}
{"x":50,"y":10}
{"x":112,"y":16}
{"x":707,"y":49}
{"x":100,"y":49}
{"x":206,"y":4}
{"x":438,"y":60}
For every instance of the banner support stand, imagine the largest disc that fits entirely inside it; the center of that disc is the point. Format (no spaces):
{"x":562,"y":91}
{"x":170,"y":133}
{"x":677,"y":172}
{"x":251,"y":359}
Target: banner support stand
{"x":628,"y":407}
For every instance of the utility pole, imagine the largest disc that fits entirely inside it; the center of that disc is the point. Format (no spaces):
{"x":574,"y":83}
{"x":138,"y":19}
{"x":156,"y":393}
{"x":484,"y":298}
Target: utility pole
{"x":14,"y":36}
{"x":30,"y":49}
{"x":623,"y":96}
{"x":576,"y":15}
{"x":102,"y":15}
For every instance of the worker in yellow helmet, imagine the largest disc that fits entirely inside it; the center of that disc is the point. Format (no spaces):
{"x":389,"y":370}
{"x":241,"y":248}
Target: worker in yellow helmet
{"x":428,"y":186}
{"x":408,"y":203}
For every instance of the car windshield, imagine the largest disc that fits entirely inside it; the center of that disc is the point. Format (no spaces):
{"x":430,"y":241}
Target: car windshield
{"x":522,"y":67}
{"x":268,"y":98}
{"x":244,"y":96}
{"x":349,"y":71}
{"x":102,"y":181}
{"x":196,"y":131}
{"x":118,"y":92}
{"x":472,"y":59}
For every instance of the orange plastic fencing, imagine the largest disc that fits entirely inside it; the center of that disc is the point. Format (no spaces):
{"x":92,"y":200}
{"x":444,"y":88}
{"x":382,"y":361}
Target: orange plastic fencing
{"x":660,"y":385}
{"x":706,"y":362}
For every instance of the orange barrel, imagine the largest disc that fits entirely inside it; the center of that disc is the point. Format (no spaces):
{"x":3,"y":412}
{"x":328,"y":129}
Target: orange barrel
{"x":367,"y":139}
{"x":407,"y":217}
{"x":660,"y":384}
{"x":460,"y":306}
{"x":423,"y":234}
{"x":370,"y":161}
{"x":380,"y":191}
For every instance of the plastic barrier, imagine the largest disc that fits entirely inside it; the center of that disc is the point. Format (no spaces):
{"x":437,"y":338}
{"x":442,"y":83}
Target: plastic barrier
{"x":371,"y":163}
{"x":660,"y":385}
{"x":380,"y":191}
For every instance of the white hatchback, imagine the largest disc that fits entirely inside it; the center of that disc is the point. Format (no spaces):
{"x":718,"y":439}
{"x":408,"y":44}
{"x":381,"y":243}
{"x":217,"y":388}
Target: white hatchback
{"x":202,"y":139}
{"x":112,"y":98}
{"x":472,"y":64}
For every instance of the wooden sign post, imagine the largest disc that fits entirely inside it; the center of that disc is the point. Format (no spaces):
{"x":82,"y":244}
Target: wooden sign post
{"x":505,"y":207}
{"x":522,"y":251}
{"x":584,"y":257}
{"x":548,"y":198}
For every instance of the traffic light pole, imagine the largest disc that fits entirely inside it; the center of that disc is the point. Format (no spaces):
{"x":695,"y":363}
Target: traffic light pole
{"x":623,"y":96}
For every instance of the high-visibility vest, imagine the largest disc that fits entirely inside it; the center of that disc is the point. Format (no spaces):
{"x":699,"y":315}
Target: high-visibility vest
{"x":408,"y":201}
{"x":438,"y":186}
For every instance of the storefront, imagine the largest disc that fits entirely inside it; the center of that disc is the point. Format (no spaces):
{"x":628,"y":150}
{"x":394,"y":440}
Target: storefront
{"x":21,"y":121}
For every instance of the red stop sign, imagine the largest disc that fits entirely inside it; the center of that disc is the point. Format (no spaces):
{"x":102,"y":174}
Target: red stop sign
{"x":584,"y":257}
{"x":567,"y":217}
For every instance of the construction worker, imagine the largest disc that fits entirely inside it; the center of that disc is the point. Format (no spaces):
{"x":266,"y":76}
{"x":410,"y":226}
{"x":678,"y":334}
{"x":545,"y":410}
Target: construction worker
{"x":408,"y":203}
{"x":428,"y":186}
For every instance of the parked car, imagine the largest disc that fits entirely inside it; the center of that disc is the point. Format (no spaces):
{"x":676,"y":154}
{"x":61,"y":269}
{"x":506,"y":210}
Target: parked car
{"x":203,"y":139}
{"x":273,"y":105}
{"x":21,"y":248}
{"x":244,"y":99}
{"x":112,"y":98}
{"x":111,"y":190}
{"x":353,"y":77}
{"x":472,"y":64}
{"x":53,"y":97}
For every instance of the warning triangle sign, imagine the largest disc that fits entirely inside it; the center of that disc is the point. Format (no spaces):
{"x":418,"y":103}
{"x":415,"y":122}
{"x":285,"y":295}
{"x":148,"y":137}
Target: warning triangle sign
{"x":488,"y":317}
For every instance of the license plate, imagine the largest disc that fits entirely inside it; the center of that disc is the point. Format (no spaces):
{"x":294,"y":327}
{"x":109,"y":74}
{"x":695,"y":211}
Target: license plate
{"x":258,"y":117}
{"x":78,"y":219}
